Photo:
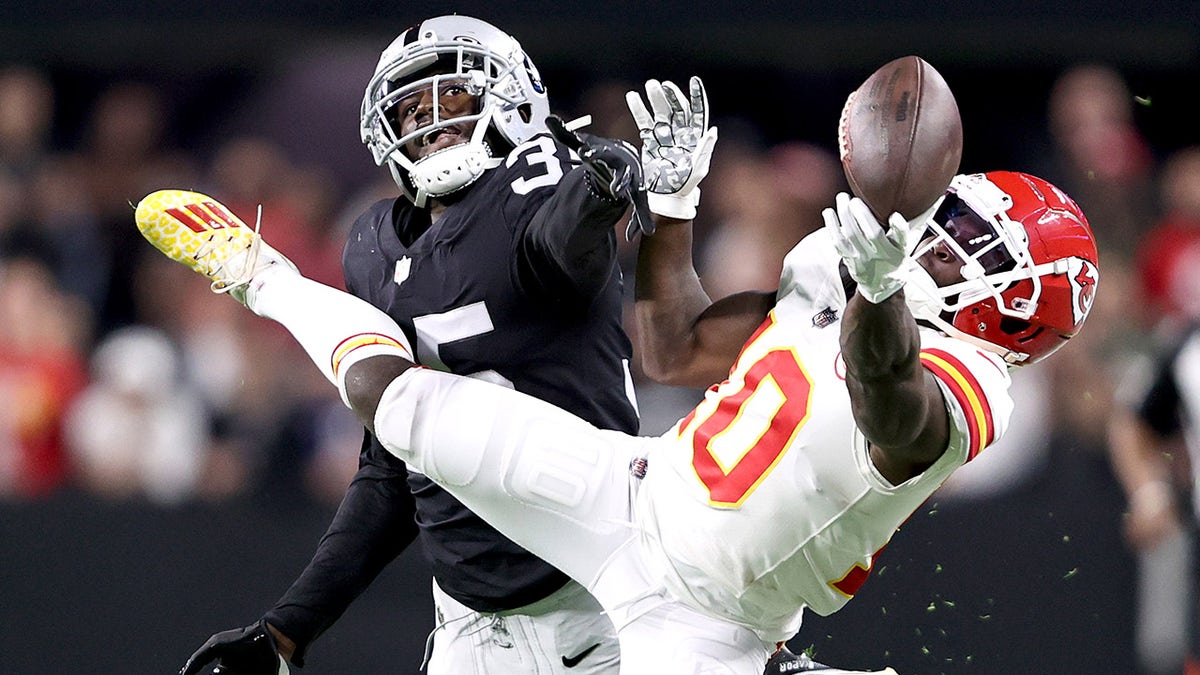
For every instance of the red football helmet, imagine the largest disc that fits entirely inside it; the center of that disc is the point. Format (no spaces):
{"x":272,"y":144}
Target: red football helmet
{"x":1030,"y":265}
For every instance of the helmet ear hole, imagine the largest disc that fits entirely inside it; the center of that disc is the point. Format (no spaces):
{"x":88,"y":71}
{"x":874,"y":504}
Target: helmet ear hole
{"x":525,"y":110}
{"x":1020,"y":328}
{"x":1011,"y":325}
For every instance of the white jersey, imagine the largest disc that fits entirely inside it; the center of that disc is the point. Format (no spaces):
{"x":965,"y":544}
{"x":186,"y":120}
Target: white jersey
{"x":771,"y":467}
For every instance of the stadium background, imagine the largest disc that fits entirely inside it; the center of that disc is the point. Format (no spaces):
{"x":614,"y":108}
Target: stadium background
{"x":1034,"y":579}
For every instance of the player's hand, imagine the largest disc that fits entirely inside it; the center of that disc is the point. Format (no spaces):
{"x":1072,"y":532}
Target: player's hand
{"x":1153,"y":516}
{"x":874,"y":257}
{"x":614,"y":168}
{"x":677,"y":145}
{"x":241,"y":651}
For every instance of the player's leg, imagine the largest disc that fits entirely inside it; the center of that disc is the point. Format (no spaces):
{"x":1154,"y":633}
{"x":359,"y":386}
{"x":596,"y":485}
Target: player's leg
{"x":674,"y":638}
{"x":335,"y":329}
{"x":551,"y":482}
{"x":545,"y":478}
{"x":548,"y":480}
{"x":565,"y":633}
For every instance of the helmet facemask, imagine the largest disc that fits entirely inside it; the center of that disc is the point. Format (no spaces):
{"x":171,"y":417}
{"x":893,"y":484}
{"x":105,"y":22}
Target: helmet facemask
{"x":993,"y":253}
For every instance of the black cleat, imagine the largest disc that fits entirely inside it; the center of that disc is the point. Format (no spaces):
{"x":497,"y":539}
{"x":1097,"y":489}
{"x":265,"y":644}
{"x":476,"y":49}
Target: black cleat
{"x":784,"y":662}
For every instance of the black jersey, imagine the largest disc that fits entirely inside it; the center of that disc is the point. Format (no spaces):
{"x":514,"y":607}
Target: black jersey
{"x":1170,"y":405}
{"x":493,"y":290}
{"x":457,"y":290}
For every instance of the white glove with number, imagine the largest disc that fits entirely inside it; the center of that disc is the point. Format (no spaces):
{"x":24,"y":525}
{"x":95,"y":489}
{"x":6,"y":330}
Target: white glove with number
{"x":677,"y":145}
{"x":875,"y":259}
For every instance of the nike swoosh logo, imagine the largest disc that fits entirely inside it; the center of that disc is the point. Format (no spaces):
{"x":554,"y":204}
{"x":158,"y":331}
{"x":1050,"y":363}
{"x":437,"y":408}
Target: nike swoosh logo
{"x":572,"y":661}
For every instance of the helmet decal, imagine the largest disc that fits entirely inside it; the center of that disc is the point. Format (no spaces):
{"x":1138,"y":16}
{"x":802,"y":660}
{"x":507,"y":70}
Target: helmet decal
{"x":1084,"y":276}
{"x":535,"y":78}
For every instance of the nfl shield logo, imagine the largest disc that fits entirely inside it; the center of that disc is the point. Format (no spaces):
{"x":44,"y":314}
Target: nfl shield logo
{"x":403,"y":266}
{"x":824,"y":317}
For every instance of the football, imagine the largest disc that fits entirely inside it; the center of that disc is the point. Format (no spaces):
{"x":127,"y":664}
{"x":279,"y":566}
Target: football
{"x":900,"y":138}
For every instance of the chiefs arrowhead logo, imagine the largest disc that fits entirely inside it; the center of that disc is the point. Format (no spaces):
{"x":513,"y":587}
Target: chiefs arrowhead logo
{"x":1084,"y":277}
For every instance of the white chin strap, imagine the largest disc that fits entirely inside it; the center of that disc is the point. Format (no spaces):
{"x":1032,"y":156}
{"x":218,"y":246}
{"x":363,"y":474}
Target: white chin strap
{"x":921,"y":293}
{"x":448,"y":170}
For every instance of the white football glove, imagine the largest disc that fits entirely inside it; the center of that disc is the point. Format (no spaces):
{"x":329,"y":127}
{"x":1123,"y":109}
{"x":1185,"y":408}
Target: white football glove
{"x":677,"y":145}
{"x":875,"y":259}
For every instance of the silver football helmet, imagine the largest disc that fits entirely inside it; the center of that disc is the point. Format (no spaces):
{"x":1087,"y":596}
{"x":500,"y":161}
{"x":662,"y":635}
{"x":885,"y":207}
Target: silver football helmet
{"x":433,"y":56}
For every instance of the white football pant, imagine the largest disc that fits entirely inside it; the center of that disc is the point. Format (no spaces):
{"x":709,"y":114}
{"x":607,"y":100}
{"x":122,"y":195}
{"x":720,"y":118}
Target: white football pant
{"x":562,"y":489}
{"x":565,"y":633}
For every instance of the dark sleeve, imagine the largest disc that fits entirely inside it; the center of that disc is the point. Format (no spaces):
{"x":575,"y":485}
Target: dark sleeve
{"x":567,"y":251}
{"x":373,"y":525}
{"x":1159,"y":406}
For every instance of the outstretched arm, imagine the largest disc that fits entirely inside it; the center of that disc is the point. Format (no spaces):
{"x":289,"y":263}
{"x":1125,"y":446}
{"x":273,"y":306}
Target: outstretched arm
{"x":897,"y":403}
{"x":683,"y":337}
{"x":568,"y":249}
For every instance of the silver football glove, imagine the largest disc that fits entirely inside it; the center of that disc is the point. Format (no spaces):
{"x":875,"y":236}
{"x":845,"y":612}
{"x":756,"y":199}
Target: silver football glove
{"x":677,"y":145}
{"x":876,"y":260}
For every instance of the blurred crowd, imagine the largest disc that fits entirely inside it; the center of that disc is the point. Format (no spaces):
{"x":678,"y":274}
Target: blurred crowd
{"x":122,"y":376}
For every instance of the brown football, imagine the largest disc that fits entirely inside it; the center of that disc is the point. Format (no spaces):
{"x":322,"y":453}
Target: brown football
{"x":900,"y":138}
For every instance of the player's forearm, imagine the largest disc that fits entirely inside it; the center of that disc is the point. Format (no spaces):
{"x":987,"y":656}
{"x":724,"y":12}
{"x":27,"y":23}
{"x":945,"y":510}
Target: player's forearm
{"x":881,"y":347}
{"x":669,"y":300}
{"x":1136,"y":459}
{"x":319,"y":598}
{"x":571,"y":238}
{"x":879,"y":341}
{"x":371,"y":527}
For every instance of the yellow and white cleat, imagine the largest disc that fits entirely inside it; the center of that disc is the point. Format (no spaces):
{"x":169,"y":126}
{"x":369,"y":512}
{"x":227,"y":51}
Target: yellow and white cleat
{"x":198,"y":231}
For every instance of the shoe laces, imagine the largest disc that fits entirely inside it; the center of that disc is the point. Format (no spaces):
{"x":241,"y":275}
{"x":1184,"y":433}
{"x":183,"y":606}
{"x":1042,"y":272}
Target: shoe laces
{"x":217,"y":265}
